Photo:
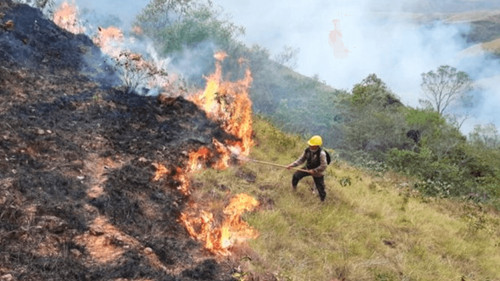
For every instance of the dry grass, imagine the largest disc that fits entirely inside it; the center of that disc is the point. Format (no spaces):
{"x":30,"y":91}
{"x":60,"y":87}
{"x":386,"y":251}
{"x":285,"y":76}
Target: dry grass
{"x":492,"y":46}
{"x":474,"y":16}
{"x":369,"y":228}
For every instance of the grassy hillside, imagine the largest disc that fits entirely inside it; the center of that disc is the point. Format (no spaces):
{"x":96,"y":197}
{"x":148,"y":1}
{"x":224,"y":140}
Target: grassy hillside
{"x":371,"y":227}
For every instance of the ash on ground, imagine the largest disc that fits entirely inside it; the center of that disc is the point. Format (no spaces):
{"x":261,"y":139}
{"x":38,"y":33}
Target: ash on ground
{"x":77,"y":155}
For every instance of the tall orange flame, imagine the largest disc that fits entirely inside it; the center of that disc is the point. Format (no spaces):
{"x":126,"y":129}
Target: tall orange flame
{"x":66,"y":16}
{"x":229,"y":103}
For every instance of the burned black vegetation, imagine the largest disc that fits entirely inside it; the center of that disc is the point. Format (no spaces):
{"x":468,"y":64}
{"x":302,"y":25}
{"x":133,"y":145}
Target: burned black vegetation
{"x":77,"y":195}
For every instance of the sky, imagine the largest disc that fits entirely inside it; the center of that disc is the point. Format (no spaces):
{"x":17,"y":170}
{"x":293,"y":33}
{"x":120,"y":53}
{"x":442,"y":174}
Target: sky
{"x":343,"y":41}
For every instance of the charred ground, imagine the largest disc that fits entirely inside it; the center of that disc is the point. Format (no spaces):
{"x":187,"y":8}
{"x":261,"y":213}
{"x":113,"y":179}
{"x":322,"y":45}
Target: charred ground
{"x":77,"y":199}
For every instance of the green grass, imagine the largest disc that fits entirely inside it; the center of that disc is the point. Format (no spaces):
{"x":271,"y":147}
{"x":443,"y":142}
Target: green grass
{"x":370,"y":227}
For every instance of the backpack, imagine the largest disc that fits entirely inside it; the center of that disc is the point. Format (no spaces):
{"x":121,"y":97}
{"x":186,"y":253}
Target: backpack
{"x":328,"y":157}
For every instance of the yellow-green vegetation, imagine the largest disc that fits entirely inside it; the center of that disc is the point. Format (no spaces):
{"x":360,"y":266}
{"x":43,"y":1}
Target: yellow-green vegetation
{"x":371,"y":227}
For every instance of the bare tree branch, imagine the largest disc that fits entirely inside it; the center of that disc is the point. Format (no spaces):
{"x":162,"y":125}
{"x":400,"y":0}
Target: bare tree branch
{"x":445,"y":86}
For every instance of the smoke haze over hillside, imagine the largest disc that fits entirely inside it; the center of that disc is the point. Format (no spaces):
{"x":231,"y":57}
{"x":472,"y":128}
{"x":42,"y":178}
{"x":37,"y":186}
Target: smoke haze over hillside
{"x":342,"y":42}
{"x":377,"y":36}
{"x":125,"y":11}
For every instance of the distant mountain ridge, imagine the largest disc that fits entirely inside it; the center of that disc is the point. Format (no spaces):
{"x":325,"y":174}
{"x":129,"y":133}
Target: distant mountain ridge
{"x":450,"y":6}
{"x":484,"y":29}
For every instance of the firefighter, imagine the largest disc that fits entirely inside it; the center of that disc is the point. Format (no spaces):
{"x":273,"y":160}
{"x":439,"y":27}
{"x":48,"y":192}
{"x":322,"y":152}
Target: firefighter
{"x":316,"y":162}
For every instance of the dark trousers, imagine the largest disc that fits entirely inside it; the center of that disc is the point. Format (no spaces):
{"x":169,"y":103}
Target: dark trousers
{"x":318,"y":181}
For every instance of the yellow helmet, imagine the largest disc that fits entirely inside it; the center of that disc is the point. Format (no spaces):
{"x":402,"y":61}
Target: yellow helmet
{"x":315,"y":140}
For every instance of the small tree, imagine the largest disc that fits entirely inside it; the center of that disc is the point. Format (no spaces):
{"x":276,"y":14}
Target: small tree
{"x":445,"y":86}
{"x":181,"y":24}
{"x":373,"y":119}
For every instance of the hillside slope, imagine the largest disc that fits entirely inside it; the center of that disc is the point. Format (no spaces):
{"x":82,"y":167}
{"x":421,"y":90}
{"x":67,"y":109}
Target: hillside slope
{"x":484,"y":30}
{"x":373,"y":226}
{"x":78,"y":194}
{"x":81,"y":197}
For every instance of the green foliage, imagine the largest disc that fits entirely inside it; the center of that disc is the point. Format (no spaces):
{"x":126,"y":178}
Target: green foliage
{"x":434,"y":188}
{"x":179,"y":24}
{"x":424,"y":119}
{"x":373,"y":120}
{"x":277,"y":139}
{"x":372,"y":91}
{"x":485,"y":136}
{"x":296,"y":103}
{"x":409,"y":162}
{"x":463,"y":172}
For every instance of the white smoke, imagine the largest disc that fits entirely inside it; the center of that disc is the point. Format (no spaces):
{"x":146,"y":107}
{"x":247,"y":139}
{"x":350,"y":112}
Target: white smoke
{"x":371,"y":36}
{"x":381,"y":36}
{"x":116,"y":11}
{"x":120,"y":15}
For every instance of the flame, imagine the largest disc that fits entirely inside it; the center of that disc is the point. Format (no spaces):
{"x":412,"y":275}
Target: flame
{"x":66,"y":17}
{"x":240,"y":119}
{"x":107,"y":38}
{"x":180,"y":176}
{"x":225,"y":102}
{"x":229,"y":104}
{"x":235,"y":228}
{"x":137,"y":70}
{"x":196,"y":157}
{"x":183,"y":179}
{"x":208,"y":99}
{"x":224,"y":155}
{"x":161,"y":171}
{"x":232,"y":230}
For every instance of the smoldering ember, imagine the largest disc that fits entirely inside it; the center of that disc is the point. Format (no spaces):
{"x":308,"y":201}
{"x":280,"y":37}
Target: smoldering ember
{"x":92,"y":178}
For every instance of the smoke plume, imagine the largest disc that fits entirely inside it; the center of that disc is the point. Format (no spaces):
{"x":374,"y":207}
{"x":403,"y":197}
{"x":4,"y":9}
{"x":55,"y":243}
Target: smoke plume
{"x":342,"y":42}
